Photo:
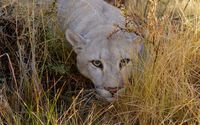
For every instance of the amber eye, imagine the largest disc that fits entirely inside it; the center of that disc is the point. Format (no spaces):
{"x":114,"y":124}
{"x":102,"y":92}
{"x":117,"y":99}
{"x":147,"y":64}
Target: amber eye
{"x":97,"y":63}
{"x":124,"y":62}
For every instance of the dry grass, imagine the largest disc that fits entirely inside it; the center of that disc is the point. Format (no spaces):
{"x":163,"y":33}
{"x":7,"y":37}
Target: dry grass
{"x":39,"y":82}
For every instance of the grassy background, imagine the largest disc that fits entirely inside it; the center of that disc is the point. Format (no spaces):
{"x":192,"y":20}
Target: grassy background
{"x":39,"y":82}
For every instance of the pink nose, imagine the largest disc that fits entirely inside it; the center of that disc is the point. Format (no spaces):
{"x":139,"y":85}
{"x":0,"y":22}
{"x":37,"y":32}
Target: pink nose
{"x":113,"y":90}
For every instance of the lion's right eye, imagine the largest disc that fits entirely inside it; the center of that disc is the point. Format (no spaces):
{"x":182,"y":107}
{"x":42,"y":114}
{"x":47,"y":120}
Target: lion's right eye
{"x":124,"y":62}
{"x":97,"y":63}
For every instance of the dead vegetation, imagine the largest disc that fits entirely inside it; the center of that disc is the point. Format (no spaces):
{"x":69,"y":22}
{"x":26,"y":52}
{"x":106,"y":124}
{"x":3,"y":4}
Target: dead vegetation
{"x":39,"y":82}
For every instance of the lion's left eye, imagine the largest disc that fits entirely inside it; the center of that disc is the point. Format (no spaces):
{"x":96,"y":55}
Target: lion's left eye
{"x":124,"y":62}
{"x":97,"y":63}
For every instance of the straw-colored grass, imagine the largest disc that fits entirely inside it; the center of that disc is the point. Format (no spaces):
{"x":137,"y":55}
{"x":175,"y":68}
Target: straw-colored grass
{"x":39,"y":82}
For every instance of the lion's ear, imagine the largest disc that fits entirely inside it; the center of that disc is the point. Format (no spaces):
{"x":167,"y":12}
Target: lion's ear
{"x":76,"y":40}
{"x":136,"y":41}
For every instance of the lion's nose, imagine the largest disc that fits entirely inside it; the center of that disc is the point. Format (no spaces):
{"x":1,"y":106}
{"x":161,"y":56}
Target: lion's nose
{"x":112,"y":90}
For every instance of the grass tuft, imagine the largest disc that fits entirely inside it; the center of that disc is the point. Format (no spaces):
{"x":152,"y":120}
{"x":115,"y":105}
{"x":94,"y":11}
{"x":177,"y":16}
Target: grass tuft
{"x":39,"y":82}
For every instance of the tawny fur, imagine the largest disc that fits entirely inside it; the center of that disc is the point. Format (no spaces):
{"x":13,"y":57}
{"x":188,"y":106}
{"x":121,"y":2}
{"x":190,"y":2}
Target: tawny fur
{"x":87,"y":25}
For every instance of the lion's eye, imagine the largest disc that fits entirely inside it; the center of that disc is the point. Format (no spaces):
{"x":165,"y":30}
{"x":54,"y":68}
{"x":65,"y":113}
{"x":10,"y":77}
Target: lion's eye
{"x":124,"y":62}
{"x":97,"y":63}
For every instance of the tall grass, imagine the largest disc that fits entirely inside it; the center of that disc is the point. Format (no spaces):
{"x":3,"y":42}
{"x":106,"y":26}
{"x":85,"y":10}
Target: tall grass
{"x":167,"y":91}
{"x":41,"y":85}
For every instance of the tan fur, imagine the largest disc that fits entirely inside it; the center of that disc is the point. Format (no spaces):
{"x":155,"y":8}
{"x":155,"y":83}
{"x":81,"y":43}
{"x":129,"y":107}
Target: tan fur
{"x":87,"y":25}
